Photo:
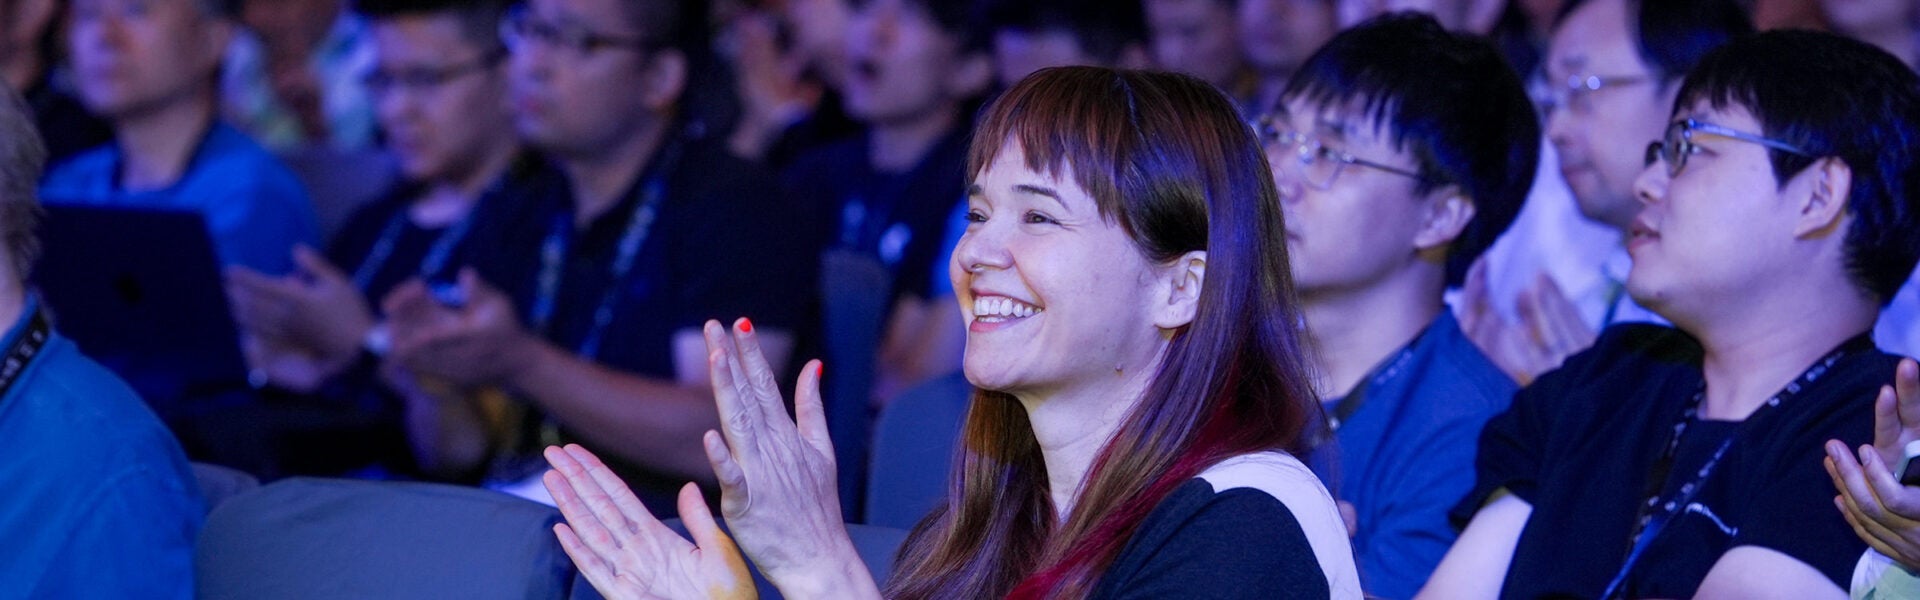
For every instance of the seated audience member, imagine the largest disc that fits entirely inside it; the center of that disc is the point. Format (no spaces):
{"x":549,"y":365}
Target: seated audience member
{"x":1778,"y":215}
{"x":789,"y":92}
{"x":883,"y":200}
{"x":1391,"y":186}
{"x":30,"y":62}
{"x":101,"y":502}
{"x":1029,"y":35}
{"x":1142,"y":396}
{"x":149,"y":69}
{"x":592,"y":283}
{"x":1882,"y":508}
{"x":437,"y":85}
{"x":1199,"y":38}
{"x":1276,"y":36}
{"x":1613,"y":67}
{"x":294,"y":75}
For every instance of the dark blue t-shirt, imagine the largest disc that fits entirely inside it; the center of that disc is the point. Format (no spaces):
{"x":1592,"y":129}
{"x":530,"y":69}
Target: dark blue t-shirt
{"x":1580,"y":445}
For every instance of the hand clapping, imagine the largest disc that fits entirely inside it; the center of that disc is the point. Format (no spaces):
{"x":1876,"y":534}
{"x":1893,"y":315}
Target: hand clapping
{"x":777,"y":494}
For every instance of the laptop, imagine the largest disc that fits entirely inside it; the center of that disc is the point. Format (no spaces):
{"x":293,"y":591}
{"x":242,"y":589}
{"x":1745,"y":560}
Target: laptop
{"x":140,"y":291}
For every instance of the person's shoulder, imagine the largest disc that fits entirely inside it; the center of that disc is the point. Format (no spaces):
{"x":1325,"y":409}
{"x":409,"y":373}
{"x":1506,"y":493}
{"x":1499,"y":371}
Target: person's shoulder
{"x":85,"y":170}
{"x":231,"y":156}
{"x":1460,"y":381}
{"x":1282,"y":477}
{"x":1252,"y":509}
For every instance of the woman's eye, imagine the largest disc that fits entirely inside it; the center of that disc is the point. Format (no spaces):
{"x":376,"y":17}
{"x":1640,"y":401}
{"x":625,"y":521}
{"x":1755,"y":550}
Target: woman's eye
{"x":974,"y":216}
{"x":1039,"y":218}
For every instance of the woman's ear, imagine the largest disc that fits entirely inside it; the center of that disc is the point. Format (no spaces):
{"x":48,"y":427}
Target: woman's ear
{"x":1184,"y":278}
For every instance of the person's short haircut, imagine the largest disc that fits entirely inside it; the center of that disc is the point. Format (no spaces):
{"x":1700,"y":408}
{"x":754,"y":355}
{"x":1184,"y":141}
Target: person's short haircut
{"x":1104,"y":28}
{"x":1833,"y":97}
{"x":1672,"y":35}
{"x":479,"y":19}
{"x":22,"y":156}
{"x":1450,"y":100}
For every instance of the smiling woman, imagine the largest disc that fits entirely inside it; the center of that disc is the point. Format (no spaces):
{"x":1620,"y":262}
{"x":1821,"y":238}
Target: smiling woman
{"x":1142,"y":398}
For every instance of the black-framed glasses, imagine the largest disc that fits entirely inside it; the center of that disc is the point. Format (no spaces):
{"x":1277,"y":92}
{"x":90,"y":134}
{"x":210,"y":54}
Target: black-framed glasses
{"x":381,"y":81}
{"x":1577,"y":91}
{"x":1677,"y":144}
{"x":521,"y":26}
{"x":1319,"y":165}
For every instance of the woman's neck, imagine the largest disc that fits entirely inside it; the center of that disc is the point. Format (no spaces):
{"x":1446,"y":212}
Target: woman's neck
{"x":1074,"y":426}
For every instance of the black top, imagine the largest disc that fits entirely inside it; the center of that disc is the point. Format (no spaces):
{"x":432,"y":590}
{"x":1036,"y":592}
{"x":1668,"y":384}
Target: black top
{"x":1198,"y":543}
{"x":722,"y":246}
{"x":1229,"y":533}
{"x":1580,"y":445}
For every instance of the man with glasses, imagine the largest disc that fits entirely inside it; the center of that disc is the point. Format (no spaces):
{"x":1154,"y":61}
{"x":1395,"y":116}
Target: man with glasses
{"x":1391,"y":186}
{"x":592,"y":284}
{"x":1778,"y":217}
{"x":437,"y":83}
{"x":1611,"y":71}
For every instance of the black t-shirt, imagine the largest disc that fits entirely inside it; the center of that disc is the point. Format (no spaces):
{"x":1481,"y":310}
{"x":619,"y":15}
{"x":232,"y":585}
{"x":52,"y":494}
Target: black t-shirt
{"x":1581,"y":443}
{"x":1229,"y":534}
{"x":898,"y":218}
{"x":722,"y":246}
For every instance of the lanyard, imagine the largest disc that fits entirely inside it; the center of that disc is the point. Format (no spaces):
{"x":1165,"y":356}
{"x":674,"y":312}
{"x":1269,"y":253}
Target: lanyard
{"x":1655,"y":515}
{"x":25,"y":348}
{"x":1387,"y":370}
{"x":432,"y":263}
{"x":554,"y":249}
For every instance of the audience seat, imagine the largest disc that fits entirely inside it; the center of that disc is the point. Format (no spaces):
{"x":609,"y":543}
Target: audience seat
{"x":913,"y":450}
{"x":327,"y":538}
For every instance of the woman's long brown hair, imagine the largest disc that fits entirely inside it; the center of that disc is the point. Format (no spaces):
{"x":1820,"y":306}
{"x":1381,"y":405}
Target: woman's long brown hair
{"x":1168,"y":158}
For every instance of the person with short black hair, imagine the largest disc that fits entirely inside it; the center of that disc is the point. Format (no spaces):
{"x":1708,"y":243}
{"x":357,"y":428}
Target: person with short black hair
{"x":150,"y":71}
{"x":590,"y":283}
{"x":882,"y":201}
{"x":1391,"y":186}
{"x":101,"y":502}
{"x":1612,"y":69}
{"x":436,"y":84}
{"x":1780,"y":211}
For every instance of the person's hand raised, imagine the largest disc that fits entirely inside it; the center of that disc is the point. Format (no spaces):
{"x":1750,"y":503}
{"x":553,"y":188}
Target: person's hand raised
{"x":777,"y":485}
{"x":1883,"y":512}
{"x":624,"y":551}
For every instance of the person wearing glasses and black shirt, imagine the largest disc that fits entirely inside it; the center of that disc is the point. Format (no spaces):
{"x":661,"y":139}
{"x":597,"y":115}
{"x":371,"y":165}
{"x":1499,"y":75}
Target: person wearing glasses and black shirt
{"x":1385,"y":208}
{"x":1780,"y":211}
{"x":590,"y":286}
{"x":436,"y":85}
{"x":1612,"y":69}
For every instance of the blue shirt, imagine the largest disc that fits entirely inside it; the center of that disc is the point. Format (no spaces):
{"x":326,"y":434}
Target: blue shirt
{"x":99,"y":501}
{"x":1405,"y":453}
{"x":256,"y":209}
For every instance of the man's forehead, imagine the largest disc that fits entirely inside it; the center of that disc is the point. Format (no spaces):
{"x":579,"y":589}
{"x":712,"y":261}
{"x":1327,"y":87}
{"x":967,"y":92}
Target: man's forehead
{"x":1349,"y":120}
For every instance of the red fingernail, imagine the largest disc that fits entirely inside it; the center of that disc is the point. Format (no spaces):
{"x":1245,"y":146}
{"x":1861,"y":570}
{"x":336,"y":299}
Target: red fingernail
{"x":819,"y":369}
{"x":746,"y":326}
